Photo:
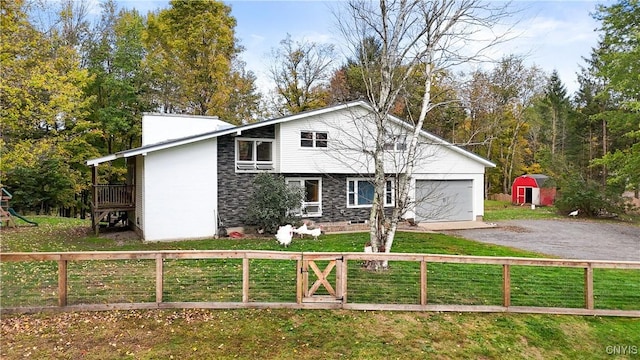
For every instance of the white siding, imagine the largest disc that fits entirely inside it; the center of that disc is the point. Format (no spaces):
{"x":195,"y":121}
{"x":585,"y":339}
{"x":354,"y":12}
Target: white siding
{"x":348,"y":133}
{"x":344,"y":134}
{"x":139,"y":214}
{"x":438,"y":159}
{"x":162,"y":127}
{"x":180,"y":199}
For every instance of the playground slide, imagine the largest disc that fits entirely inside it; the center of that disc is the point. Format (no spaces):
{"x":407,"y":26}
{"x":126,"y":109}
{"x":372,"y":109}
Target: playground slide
{"x":13,"y":213}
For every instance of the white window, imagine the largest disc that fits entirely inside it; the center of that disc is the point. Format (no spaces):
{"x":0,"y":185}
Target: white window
{"x":360,"y":193}
{"x":312,"y":196}
{"x":254,"y":154}
{"x":397,"y":143}
{"x":313,"y":139}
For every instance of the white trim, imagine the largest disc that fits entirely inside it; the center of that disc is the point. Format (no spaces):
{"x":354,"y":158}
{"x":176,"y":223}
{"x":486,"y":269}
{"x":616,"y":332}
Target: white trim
{"x":254,"y":165}
{"x":239,"y":129}
{"x":314,"y":140}
{"x":397,"y":142}
{"x":369,"y":180}
{"x":314,"y":203}
{"x":100,"y":160}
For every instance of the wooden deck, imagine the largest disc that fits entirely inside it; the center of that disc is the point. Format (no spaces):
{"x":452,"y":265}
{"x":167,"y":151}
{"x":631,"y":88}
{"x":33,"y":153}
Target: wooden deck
{"x":110,"y":198}
{"x":116,"y":197}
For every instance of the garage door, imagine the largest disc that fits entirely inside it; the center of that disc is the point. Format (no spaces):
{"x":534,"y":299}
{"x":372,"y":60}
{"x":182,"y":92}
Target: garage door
{"x":444,"y":200}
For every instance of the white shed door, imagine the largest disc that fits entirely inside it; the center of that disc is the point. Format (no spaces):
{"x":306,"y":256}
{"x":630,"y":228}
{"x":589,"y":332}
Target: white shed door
{"x":444,"y":200}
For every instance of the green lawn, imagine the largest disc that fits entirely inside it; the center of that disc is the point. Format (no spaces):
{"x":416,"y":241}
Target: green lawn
{"x":280,"y":334}
{"x":503,"y":210}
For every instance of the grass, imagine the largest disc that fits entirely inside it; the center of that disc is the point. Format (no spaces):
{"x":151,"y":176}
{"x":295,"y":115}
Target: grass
{"x":504,"y":210}
{"x":311,"y":334}
{"x":280,"y":334}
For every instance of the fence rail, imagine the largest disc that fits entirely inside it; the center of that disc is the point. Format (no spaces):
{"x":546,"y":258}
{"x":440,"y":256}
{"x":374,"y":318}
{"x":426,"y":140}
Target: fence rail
{"x":114,"y":196}
{"x":70,"y":281}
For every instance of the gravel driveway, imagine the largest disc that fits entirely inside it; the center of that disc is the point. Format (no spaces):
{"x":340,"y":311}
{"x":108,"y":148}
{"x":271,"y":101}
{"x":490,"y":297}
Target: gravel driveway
{"x":570,"y":239}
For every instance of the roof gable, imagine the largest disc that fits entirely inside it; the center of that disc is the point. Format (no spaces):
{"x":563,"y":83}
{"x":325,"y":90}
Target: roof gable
{"x":303,"y":115}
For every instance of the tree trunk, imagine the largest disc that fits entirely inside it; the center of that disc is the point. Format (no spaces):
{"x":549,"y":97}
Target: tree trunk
{"x":604,"y":151}
{"x":554,"y":133}
{"x":404,"y":179}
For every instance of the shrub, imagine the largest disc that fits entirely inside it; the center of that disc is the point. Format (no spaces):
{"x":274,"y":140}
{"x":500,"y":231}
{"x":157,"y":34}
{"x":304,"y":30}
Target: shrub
{"x":272,"y":202}
{"x":591,"y":198}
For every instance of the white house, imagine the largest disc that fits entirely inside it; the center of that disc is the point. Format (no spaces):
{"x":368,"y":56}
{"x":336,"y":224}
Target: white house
{"x":193,"y":174}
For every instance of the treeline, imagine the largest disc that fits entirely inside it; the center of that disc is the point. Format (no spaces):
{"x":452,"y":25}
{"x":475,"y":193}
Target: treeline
{"x":75,"y":86}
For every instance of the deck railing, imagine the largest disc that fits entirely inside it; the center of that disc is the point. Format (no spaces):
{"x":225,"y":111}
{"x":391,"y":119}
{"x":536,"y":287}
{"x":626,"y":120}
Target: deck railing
{"x":80,"y":281}
{"x":114,"y":196}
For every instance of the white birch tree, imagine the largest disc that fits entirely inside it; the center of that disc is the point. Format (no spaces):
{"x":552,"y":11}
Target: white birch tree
{"x":429,"y":36}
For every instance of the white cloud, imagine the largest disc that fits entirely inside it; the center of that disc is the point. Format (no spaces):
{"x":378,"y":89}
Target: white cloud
{"x":551,"y":35}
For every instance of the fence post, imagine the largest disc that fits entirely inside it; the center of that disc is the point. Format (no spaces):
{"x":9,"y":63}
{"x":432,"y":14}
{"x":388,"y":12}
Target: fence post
{"x":305,"y":277}
{"x":245,"y":279}
{"x":159,"y":277}
{"x":588,"y":287}
{"x":299,"y":281}
{"x":62,"y":283}
{"x":340,"y":273}
{"x":423,"y":282}
{"x":345,"y":270}
{"x":506,"y":285}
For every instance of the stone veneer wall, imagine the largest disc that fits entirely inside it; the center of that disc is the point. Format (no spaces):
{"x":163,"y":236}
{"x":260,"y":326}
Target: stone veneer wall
{"x":234,"y":189}
{"x":334,"y":200}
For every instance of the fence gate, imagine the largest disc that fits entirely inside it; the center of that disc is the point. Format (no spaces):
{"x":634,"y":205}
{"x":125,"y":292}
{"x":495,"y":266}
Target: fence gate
{"x":329,"y":275}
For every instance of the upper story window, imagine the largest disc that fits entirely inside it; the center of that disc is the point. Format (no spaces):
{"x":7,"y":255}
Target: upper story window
{"x":254,"y":154}
{"x":360,"y":193}
{"x":397,"y":143}
{"x":313,"y":139}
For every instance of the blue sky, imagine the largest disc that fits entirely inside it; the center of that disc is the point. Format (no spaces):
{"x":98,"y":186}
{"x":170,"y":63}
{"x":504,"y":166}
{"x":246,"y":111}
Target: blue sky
{"x":552,"y":34}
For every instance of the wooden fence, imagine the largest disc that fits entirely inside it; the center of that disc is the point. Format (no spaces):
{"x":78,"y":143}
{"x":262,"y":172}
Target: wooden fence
{"x":80,"y":281}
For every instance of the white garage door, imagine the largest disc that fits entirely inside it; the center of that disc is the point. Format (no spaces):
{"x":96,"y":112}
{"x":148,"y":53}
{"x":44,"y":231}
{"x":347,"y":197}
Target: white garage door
{"x":444,"y":200}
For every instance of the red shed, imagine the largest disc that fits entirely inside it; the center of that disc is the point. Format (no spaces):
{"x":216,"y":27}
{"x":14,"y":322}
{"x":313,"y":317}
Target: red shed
{"x":536,"y":189}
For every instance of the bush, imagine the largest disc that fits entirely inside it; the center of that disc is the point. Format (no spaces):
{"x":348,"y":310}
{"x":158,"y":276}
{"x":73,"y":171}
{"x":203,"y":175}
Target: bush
{"x":591,"y":198}
{"x":272,"y":202}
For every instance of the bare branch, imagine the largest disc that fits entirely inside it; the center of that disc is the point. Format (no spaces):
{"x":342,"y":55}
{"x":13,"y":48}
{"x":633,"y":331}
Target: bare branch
{"x":432,"y":36}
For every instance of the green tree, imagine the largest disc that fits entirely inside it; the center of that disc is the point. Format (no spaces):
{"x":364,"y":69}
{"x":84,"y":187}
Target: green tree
{"x":512,"y":90}
{"x":348,"y":82}
{"x":41,"y":84}
{"x":243,"y":105}
{"x":617,"y":62}
{"x":40,"y":176}
{"x":549,"y":129}
{"x":43,"y":110}
{"x":587,"y":131}
{"x":120,"y":82}
{"x":619,"y":50}
{"x":555,"y":105}
{"x":301,"y":72}
{"x":192,"y":49}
